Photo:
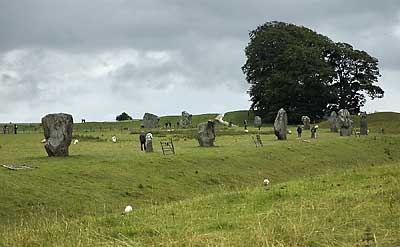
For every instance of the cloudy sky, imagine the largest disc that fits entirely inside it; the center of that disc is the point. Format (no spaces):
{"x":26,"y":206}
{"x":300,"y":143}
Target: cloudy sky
{"x":98,"y":58}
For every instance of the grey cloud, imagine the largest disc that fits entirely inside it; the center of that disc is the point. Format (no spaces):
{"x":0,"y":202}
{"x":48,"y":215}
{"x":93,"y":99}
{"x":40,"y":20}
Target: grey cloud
{"x":99,"y":50}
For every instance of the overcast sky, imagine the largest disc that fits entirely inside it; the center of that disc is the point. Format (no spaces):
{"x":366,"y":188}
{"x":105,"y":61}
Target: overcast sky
{"x":97,"y":58}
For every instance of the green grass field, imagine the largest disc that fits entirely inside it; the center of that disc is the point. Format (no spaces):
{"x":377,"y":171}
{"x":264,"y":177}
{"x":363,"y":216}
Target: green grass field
{"x":332,"y":191}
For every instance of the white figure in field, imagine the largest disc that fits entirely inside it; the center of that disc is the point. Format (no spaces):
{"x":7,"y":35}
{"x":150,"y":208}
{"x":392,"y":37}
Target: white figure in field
{"x":149,"y":142}
{"x":76,"y":141}
{"x":266,"y":182}
{"x":314,"y":132}
{"x":149,"y":136}
{"x":114,"y":139}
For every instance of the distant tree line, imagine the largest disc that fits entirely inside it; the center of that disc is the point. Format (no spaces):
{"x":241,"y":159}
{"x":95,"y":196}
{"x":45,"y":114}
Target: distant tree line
{"x":306,"y":73}
{"x":124,"y":116}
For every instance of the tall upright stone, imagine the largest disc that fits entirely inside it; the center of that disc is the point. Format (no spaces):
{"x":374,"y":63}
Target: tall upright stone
{"x":186,"y":120}
{"x":58,"y":133}
{"x":345,"y":122}
{"x":280,"y":124}
{"x":363,"y":124}
{"x":333,"y":122}
{"x":306,"y":122}
{"x":150,"y":121}
{"x":206,"y":134}
{"x":257,"y":122}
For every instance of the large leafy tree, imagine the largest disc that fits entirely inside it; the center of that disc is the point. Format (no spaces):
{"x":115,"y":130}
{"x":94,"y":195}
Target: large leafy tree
{"x":124,"y":116}
{"x":356,"y":72}
{"x":295,"y":68}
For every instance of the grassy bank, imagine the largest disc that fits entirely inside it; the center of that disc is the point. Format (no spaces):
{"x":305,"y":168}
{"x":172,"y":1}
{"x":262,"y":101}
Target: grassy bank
{"x":325,"y":192}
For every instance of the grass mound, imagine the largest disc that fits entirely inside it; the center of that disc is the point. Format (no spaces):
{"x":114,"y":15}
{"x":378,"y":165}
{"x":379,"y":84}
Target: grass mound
{"x":359,"y":207}
{"x":332,"y":191}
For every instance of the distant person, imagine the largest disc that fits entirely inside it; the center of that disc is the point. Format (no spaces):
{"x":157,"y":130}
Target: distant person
{"x":245,"y":124}
{"x":142,"y":139}
{"x":299,"y":131}
{"x":177,"y":125}
{"x":149,"y":142}
{"x":314,"y":131}
{"x":15,"y":129}
{"x":4,"y":129}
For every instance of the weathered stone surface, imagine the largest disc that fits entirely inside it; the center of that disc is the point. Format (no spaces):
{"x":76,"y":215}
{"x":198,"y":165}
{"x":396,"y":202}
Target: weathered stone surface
{"x":257,"y":122}
{"x":150,"y":121}
{"x":206,"y":134}
{"x":306,"y":122}
{"x":345,"y":123}
{"x":363,"y":124}
{"x":333,"y":122}
{"x":280,"y":124}
{"x":186,"y":120}
{"x":58,"y":133}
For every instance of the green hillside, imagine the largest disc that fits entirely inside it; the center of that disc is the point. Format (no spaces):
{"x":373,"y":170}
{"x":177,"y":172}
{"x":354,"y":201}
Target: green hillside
{"x":324,"y":192}
{"x":121,"y":126}
{"x":390,"y":121}
{"x":238,"y":117}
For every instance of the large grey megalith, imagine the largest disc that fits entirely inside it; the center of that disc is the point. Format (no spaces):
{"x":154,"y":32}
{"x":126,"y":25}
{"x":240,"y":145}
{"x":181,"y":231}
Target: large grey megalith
{"x":186,"y":120}
{"x":306,"y":122}
{"x":206,"y":134}
{"x":363,"y":124}
{"x":280,"y":125}
{"x":345,"y":122}
{"x":58,"y":133}
{"x":333,"y":122}
{"x":257,"y":122}
{"x":150,"y":121}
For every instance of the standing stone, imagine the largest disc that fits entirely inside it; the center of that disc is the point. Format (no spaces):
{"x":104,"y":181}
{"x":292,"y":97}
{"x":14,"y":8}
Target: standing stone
{"x":333,"y":122}
{"x":58,"y":133}
{"x":150,"y":121}
{"x":306,"y":122}
{"x":363,"y":124}
{"x":206,"y":134}
{"x":345,"y":123}
{"x":257,"y":122}
{"x":280,"y":124}
{"x":186,"y":120}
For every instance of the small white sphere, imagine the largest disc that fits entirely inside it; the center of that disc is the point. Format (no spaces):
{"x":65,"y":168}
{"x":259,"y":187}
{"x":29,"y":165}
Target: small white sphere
{"x":114,"y":139}
{"x":247,"y":131}
{"x":128,"y":209}
{"x":43,"y":141}
{"x":289,"y":131}
{"x":266,"y":182}
{"x":76,"y":141}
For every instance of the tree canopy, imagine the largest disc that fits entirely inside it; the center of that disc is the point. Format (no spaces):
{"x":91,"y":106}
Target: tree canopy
{"x":124,"y":116}
{"x":306,"y":73}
